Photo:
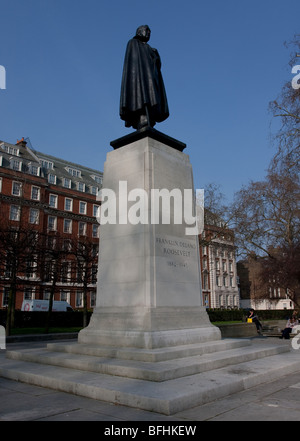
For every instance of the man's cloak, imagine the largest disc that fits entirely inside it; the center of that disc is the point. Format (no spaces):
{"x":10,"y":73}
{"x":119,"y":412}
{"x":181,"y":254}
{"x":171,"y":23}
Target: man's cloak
{"x":142,"y":85}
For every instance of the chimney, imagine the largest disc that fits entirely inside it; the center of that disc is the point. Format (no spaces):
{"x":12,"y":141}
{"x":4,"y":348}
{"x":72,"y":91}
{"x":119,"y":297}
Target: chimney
{"x":21,"y":143}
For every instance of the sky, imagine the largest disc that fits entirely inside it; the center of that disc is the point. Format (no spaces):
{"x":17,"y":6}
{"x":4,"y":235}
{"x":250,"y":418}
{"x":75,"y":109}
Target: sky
{"x":223,"y":61}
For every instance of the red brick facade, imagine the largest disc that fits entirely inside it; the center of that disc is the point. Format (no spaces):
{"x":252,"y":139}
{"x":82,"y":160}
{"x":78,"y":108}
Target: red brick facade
{"x":54,"y":203}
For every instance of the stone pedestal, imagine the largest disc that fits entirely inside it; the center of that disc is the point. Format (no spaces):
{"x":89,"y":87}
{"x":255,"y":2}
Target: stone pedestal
{"x":149,"y":279}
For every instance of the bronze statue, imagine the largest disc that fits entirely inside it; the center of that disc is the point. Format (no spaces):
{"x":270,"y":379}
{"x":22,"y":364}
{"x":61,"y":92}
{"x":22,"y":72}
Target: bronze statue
{"x":143,"y":100}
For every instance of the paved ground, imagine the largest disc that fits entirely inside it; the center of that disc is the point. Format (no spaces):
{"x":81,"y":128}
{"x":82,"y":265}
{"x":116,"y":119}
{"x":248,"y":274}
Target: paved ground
{"x":275,"y":401}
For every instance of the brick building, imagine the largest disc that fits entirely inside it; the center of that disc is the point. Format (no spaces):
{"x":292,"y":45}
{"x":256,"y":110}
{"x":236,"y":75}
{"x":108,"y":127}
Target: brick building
{"x":44,"y":196}
{"x":256,"y":294}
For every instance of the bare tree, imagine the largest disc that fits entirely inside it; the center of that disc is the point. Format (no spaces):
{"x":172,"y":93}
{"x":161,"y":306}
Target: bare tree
{"x":18,"y":252}
{"x":85,"y":251}
{"x":287,"y":108}
{"x":54,"y":249}
{"x":267,"y":213}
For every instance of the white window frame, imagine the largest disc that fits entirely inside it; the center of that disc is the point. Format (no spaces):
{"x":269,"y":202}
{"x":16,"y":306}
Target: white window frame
{"x":84,"y":204}
{"x":35,"y":188}
{"x":68,"y":204}
{"x":16,"y":188}
{"x":52,"y":179}
{"x":82,"y":228}
{"x":34,"y":218}
{"x":68,"y":226}
{"x":17,"y":209}
{"x":54,"y":223}
{"x":95,"y":230}
{"x":67,"y":183}
{"x":54,"y":199}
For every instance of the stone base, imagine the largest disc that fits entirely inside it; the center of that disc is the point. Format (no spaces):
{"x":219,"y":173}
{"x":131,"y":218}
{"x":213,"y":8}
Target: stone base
{"x":149,"y":327}
{"x":166,"y":380}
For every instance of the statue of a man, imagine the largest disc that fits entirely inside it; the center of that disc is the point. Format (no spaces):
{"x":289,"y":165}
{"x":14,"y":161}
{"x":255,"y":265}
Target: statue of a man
{"x":143,"y":99}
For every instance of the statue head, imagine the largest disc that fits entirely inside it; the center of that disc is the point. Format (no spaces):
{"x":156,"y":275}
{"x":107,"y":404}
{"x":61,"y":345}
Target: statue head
{"x":143,"y":33}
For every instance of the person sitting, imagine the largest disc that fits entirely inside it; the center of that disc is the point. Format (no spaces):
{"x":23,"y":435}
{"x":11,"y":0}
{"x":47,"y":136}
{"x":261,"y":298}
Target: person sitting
{"x":253,"y":316}
{"x":291,"y":323}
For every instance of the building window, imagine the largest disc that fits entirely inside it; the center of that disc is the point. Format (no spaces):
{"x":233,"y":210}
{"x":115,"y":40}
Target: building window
{"x":94,"y":190}
{"x":47,"y":164}
{"x":5,"y":299}
{"x":206,"y":301}
{"x":52,"y":179}
{"x":34,"y":170}
{"x":0,"y":185}
{"x":205,"y":280}
{"x":82,"y":228}
{"x":79,"y":299}
{"x":82,"y":207}
{"x":65,"y":272}
{"x":49,"y":271}
{"x":220,"y":300}
{"x":93,"y":299}
{"x":46,"y":295}
{"x":65,"y":296}
{"x":16,"y":165}
{"x":67,"y":183}
{"x":81,"y":187}
{"x":34,"y":216}
{"x":52,"y":223}
{"x":35,"y":193}
{"x":67,"y":245}
{"x":30,"y":268}
{"x":74,"y":172}
{"x":16,"y":188}
{"x":14,"y":213}
{"x":94,"y":273}
{"x":53,"y":200}
{"x":28,"y":294}
{"x":95,"y":232}
{"x":98,"y":179}
{"x":96,"y":210}
{"x":68,"y":204}
{"x":10,"y":150}
{"x":67,"y":226}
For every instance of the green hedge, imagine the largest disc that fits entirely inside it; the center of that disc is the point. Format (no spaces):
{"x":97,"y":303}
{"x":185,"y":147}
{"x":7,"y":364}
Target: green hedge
{"x":75,"y":318}
{"x":226,"y":315}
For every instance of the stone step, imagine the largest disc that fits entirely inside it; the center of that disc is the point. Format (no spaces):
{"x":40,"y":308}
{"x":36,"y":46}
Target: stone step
{"x":167,"y":397}
{"x":151,"y":371}
{"x":150,"y":355}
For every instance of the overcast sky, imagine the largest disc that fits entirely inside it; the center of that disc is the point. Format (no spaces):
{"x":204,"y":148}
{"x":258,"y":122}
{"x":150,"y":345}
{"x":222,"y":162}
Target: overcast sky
{"x":222,"y":63}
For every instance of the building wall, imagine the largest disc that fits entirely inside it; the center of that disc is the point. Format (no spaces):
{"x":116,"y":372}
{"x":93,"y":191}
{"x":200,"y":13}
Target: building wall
{"x":31,"y":201}
{"x":218,"y":266}
{"x":253,"y":294}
